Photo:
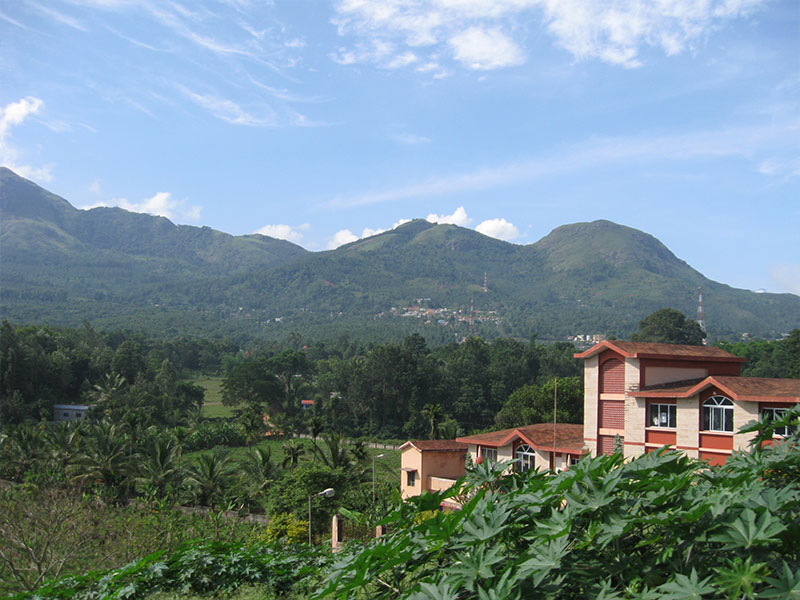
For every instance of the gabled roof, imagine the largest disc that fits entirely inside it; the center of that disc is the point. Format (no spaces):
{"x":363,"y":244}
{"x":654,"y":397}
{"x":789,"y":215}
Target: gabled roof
{"x":569,"y":437}
{"x":653,"y":350}
{"x":753,"y":389}
{"x":435,"y":446}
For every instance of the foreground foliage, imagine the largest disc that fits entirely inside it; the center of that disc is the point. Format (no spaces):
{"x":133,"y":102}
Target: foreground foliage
{"x":662,"y":526}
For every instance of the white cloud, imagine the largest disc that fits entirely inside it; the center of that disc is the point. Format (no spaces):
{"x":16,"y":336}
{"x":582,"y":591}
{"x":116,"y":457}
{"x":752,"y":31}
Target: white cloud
{"x":10,"y":116}
{"x":161,"y":205}
{"x":485,"y":49}
{"x":229,"y":111}
{"x":410,"y":139}
{"x":340,"y":238}
{"x":498,"y":228}
{"x":345,"y":236}
{"x":478,"y":33}
{"x":787,"y":277}
{"x":283,"y":232}
{"x":459,"y":217}
{"x":95,"y":187}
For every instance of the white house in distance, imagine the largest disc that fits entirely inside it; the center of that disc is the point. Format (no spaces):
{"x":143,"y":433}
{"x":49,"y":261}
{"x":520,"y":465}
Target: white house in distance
{"x":69,"y":412}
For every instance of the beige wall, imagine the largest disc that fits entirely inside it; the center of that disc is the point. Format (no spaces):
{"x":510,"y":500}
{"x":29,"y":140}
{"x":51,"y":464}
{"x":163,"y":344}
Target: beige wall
{"x":411,"y":458}
{"x":634,"y":411}
{"x":657,"y":375}
{"x":743,"y":413}
{"x":687,"y":434}
{"x":591,"y":374}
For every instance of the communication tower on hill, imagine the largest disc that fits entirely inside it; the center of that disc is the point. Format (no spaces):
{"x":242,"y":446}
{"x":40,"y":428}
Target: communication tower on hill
{"x":701,"y":317}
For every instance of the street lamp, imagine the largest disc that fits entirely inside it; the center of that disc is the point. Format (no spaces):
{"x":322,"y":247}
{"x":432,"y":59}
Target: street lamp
{"x":374,"y":458}
{"x":325,"y":494}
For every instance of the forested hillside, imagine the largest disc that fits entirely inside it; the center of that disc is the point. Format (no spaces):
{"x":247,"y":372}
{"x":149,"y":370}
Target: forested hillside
{"x":120,"y":269}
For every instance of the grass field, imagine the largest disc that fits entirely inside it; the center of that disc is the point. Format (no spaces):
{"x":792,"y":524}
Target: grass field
{"x":212,"y":406}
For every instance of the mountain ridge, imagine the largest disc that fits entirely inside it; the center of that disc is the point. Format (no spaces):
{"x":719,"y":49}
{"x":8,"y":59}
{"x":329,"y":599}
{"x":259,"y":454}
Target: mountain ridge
{"x":63,"y":265}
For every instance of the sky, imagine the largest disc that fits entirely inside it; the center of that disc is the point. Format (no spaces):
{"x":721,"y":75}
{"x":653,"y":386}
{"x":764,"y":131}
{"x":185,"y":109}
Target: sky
{"x":321,"y":122}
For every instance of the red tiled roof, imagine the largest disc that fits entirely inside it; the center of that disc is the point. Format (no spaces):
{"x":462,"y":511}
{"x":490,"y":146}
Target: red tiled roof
{"x":652,"y":350}
{"x":754,"y":389}
{"x":569,"y":437}
{"x":436,"y":446}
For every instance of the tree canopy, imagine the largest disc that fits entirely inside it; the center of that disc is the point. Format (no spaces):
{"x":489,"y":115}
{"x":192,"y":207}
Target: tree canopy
{"x":669,"y":326}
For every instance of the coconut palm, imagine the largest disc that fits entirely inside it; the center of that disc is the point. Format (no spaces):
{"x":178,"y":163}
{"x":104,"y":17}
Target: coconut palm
{"x":209,"y":477}
{"x":107,"y":458}
{"x":292,"y":451}
{"x":259,"y":471}
{"x":62,"y":442}
{"x":333,"y":451}
{"x":158,"y":466}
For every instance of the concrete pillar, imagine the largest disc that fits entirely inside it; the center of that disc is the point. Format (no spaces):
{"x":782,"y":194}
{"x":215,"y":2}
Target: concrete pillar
{"x":591,"y":396}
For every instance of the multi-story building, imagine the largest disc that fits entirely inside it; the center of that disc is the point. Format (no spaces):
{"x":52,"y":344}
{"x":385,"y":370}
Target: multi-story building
{"x":691,"y":398}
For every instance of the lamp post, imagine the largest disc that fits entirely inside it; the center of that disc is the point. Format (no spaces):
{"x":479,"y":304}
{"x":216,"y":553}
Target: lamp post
{"x":327,"y":493}
{"x":374,"y":458}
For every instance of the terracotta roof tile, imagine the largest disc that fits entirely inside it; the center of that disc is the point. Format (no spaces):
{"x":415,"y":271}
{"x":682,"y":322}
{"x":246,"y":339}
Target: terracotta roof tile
{"x":436,"y":445}
{"x":569,"y":437}
{"x":649,"y":349}
{"x":756,"y":389}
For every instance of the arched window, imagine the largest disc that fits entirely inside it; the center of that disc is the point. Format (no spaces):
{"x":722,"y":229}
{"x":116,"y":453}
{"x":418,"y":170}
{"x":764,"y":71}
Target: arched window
{"x":718,"y":414}
{"x":525,"y":456}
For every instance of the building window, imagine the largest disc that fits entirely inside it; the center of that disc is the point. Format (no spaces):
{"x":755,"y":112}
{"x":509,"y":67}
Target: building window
{"x":718,"y":414}
{"x":573,"y":460}
{"x":525,"y":457}
{"x":662,"y":415}
{"x":412,"y":478}
{"x":489,"y":454}
{"x":773,"y":414}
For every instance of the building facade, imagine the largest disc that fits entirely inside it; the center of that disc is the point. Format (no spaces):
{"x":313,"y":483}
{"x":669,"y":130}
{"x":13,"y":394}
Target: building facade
{"x":691,"y":398}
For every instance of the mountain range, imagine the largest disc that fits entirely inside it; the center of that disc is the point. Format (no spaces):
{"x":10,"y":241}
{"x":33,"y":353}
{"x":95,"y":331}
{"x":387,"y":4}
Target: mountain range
{"x":118,"y":269}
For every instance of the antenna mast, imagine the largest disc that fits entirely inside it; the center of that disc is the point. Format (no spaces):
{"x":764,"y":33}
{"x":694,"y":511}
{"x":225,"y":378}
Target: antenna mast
{"x":701,"y":318}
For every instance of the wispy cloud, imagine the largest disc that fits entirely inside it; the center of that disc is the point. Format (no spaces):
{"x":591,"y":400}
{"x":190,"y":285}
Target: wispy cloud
{"x":787,"y":277}
{"x":11,"y":115}
{"x":229,"y":111}
{"x":741,"y":142}
{"x":484,"y":34}
{"x":59,"y":17}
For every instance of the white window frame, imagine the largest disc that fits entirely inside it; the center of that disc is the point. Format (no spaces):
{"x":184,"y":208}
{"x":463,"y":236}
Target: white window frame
{"x":774,"y":415}
{"x":526,"y":458}
{"x":668,"y":410}
{"x":718,"y":414}
{"x":489,"y":454}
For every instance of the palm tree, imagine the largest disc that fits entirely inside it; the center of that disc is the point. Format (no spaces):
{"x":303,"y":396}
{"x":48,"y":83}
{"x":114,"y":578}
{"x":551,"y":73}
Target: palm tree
{"x":433,"y":414}
{"x":63,"y":444}
{"x":209,"y":477}
{"x":107,"y":458}
{"x":292,"y":451}
{"x":334,"y":452}
{"x":158,"y":467}
{"x":259,"y":470}
{"x":23,"y":448}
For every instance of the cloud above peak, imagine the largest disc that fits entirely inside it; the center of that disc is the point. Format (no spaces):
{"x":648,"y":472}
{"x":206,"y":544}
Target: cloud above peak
{"x":459,"y":217}
{"x":162,"y":204}
{"x":11,"y":115}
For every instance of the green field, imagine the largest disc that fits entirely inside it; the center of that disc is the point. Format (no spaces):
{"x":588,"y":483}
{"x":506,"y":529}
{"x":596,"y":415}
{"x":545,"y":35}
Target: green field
{"x":212,"y":406}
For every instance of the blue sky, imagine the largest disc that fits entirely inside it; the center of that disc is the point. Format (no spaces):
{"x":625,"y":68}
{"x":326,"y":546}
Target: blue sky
{"x":321,"y":122}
